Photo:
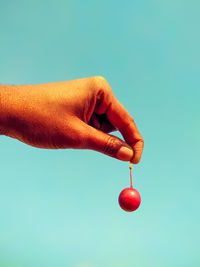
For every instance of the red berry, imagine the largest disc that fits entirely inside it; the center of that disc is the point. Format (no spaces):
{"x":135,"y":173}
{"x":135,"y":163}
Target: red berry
{"x":129,"y":199}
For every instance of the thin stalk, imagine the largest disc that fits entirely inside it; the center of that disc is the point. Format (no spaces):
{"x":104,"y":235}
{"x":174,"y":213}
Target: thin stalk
{"x":131,"y":178}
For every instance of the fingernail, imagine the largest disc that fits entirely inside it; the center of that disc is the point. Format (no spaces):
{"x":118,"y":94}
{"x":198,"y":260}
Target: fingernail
{"x":125,"y":153}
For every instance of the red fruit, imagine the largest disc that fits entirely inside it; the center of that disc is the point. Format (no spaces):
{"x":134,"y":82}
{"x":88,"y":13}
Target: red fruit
{"x":129,"y":199}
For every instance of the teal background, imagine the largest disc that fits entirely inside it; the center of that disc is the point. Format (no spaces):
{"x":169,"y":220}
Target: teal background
{"x":59,"y":207}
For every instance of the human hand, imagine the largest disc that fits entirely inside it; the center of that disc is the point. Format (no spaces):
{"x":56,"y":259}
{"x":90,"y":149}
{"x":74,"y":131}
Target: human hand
{"x":71,"y":114}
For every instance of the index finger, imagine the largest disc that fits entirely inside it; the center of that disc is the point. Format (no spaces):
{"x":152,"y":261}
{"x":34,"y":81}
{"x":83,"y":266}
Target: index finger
{"x":122,"y":120}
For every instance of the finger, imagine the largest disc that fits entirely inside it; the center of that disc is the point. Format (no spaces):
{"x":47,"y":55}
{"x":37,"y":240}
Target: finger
{"x":119,"y":118}
{"x":105,"y":143}
{"x":122,"y":120}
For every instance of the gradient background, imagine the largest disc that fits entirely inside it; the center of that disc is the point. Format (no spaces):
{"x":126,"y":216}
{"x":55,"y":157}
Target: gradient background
{"x":59,"y":208}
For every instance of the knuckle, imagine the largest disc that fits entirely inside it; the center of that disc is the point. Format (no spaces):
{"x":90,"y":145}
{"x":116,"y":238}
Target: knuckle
{"x":100,"y":83}
{"x":112,"y":146}
{"x":100,"y":78}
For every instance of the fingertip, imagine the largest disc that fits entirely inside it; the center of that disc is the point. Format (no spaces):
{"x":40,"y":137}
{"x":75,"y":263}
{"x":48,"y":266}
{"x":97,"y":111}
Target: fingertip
{"x":124,"y":153}
{"x":138,"y":149}
{"x":135,"y":160}
{"x":137,"y":156}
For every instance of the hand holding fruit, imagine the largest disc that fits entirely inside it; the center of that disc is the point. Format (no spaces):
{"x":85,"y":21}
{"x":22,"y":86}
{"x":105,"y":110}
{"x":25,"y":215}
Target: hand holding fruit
{"x":70,"y":114}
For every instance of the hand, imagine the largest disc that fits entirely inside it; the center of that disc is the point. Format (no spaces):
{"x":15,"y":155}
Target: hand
{"x":71,"y":114}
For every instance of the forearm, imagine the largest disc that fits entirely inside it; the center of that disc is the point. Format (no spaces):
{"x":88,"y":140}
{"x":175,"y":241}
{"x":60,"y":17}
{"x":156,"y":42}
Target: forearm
{"x":6,"y":99}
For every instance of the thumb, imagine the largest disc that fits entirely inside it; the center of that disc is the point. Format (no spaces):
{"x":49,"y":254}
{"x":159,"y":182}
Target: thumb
{"x":107,"y":144}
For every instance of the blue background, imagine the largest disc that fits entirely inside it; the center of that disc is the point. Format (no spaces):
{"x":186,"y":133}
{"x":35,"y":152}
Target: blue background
{"x":59,"y":207}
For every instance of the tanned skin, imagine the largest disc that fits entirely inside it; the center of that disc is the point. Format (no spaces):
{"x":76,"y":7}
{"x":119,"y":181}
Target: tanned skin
{"x":76,"y":114}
